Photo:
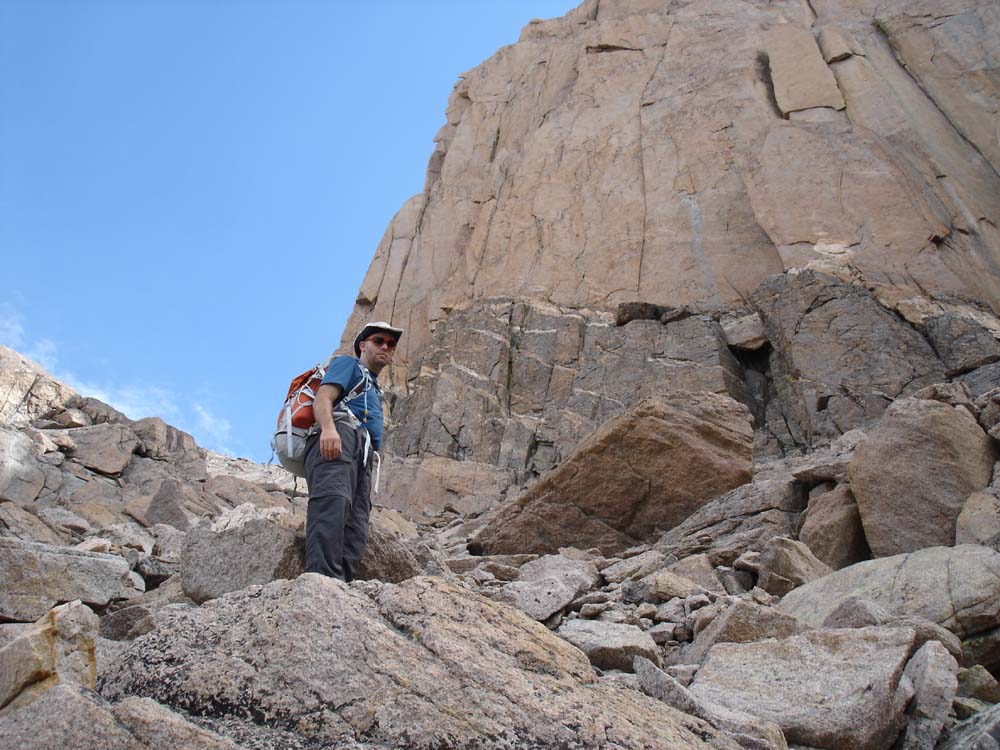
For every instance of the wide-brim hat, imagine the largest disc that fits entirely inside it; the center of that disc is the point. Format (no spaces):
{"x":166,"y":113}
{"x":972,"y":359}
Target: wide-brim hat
{"x":370,"y":328}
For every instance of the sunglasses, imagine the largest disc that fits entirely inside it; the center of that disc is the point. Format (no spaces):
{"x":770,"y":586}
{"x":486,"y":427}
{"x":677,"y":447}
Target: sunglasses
{"x":381,"y":341}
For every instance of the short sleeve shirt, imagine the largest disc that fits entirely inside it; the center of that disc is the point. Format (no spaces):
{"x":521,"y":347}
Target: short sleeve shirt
{"x":345,"y":371}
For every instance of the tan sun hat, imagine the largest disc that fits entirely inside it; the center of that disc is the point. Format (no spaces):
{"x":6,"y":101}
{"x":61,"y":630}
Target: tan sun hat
{"x":370,"y":328}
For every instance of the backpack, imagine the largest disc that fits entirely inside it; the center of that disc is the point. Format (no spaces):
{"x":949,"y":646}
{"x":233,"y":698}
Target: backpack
{"x":297,"y":420}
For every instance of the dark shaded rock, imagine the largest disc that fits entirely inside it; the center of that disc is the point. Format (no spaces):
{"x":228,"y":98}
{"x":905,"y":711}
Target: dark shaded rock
{"x":839,"y":357}
{"x":740,"y":520}
{"x":961,"y":343}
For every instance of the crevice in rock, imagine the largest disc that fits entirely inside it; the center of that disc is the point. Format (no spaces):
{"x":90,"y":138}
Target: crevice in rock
{"x":601,"y":48}
{"x":763,"y":70}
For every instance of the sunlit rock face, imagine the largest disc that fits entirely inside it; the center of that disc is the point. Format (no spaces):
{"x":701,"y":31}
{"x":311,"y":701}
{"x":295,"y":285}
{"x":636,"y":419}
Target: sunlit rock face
{"x":677,"y":155}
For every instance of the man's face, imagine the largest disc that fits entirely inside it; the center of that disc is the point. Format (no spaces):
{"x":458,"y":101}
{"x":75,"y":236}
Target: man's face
{"x":377,"y":350}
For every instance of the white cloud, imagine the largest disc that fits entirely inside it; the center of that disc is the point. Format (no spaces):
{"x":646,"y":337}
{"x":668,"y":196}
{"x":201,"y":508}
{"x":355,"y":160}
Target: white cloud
{"x":11,"y":327}
{"x":135,"y":401}
{"x":216,"y":431}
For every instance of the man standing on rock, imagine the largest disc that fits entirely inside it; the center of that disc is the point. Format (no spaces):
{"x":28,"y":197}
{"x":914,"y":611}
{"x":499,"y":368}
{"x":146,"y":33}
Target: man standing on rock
{"x":348,"y":409}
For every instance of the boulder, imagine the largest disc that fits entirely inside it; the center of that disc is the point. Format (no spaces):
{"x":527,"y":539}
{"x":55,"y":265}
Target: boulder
{"x":59,"y":648}
{"x":854,"y":612}
{"x":785,"y":564}
{"x":739,"y":521}
{"x":740,"y":622}
{"x":650,"y":468}
{"x":746,"y":729}
{"x":914,"y":472}
{"x":244,"y":546}
{"x":956,"y":587}
{"x":230,"y":491}
{"x":105,"y":448}
{"x":39,"y":576}
{"x":932,"y":670}
{"x":979,"y":520}
{"x":666,"y":585}
{"x":836,"y":689}
{"x":610,"y":645}
{"x":832,"y":530}
{"x":450,"y":669}
{"x":977,"y":682}
{"x":387,"y":557}
{"x":699,"y":568}
{"x":548,"y":585}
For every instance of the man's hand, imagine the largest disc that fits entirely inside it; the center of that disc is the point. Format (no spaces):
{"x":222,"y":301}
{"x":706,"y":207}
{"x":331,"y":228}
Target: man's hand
{"x":329,"y":443}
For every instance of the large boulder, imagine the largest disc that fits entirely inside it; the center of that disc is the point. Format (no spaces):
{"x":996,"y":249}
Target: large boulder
{"x":39,"y":576}
{"x":834,"y":689}
{"x":956,"y":587}
{"x":610,"y":645}
{"x":933,"y":672}
{"x":59,"y":648}
{"x":244,"y":546}
{"x":915,"y":471}
{"x":645,"y":470}
{"x":422,"y":664}
{"x":831,"y":528}
{"x":785,"y":563}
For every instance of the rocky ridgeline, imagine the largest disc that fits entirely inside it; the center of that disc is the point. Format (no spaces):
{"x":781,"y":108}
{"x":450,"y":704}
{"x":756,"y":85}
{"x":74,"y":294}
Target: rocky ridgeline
{"x":694,"y":439}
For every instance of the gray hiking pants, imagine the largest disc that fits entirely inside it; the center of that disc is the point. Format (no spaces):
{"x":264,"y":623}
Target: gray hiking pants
{"x":339,"y":505}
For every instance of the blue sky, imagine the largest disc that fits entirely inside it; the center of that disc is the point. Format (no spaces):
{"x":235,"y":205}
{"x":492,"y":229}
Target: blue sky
{"x":191,"y":190}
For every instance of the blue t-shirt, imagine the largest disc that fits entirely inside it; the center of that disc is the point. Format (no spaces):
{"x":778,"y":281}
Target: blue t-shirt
{"x":345,"y":371}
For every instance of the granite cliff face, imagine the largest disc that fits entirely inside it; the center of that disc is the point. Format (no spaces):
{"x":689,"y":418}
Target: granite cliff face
{"x":677,"y":154}
{"x":695,"y":428}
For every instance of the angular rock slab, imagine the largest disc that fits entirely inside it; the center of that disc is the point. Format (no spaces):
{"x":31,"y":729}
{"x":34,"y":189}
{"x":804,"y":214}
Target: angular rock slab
{"x":36,"y":577}
{"x":245,"y":546}
{"x":832,"y":529}
{"x":933,"y":672}
{"x":649,"y":468}
{"x":60,"y":647}
{"x":21,"y":475}
{"x":956,"y":587}
{"x":106,"y":448}
{"x":835,"y":689}
{"x":422,"y":664}
{"x":547,"y":585}
{"x":610,"y":645}
{"x":915,"y":471}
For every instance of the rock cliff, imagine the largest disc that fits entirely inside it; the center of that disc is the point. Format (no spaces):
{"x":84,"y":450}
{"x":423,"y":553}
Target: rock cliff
{"x":677,"y":154}
{"x":693,"y":442}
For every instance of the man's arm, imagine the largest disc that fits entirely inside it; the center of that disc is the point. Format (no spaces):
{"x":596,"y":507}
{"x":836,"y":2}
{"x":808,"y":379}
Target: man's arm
{"x":329,"y":438}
